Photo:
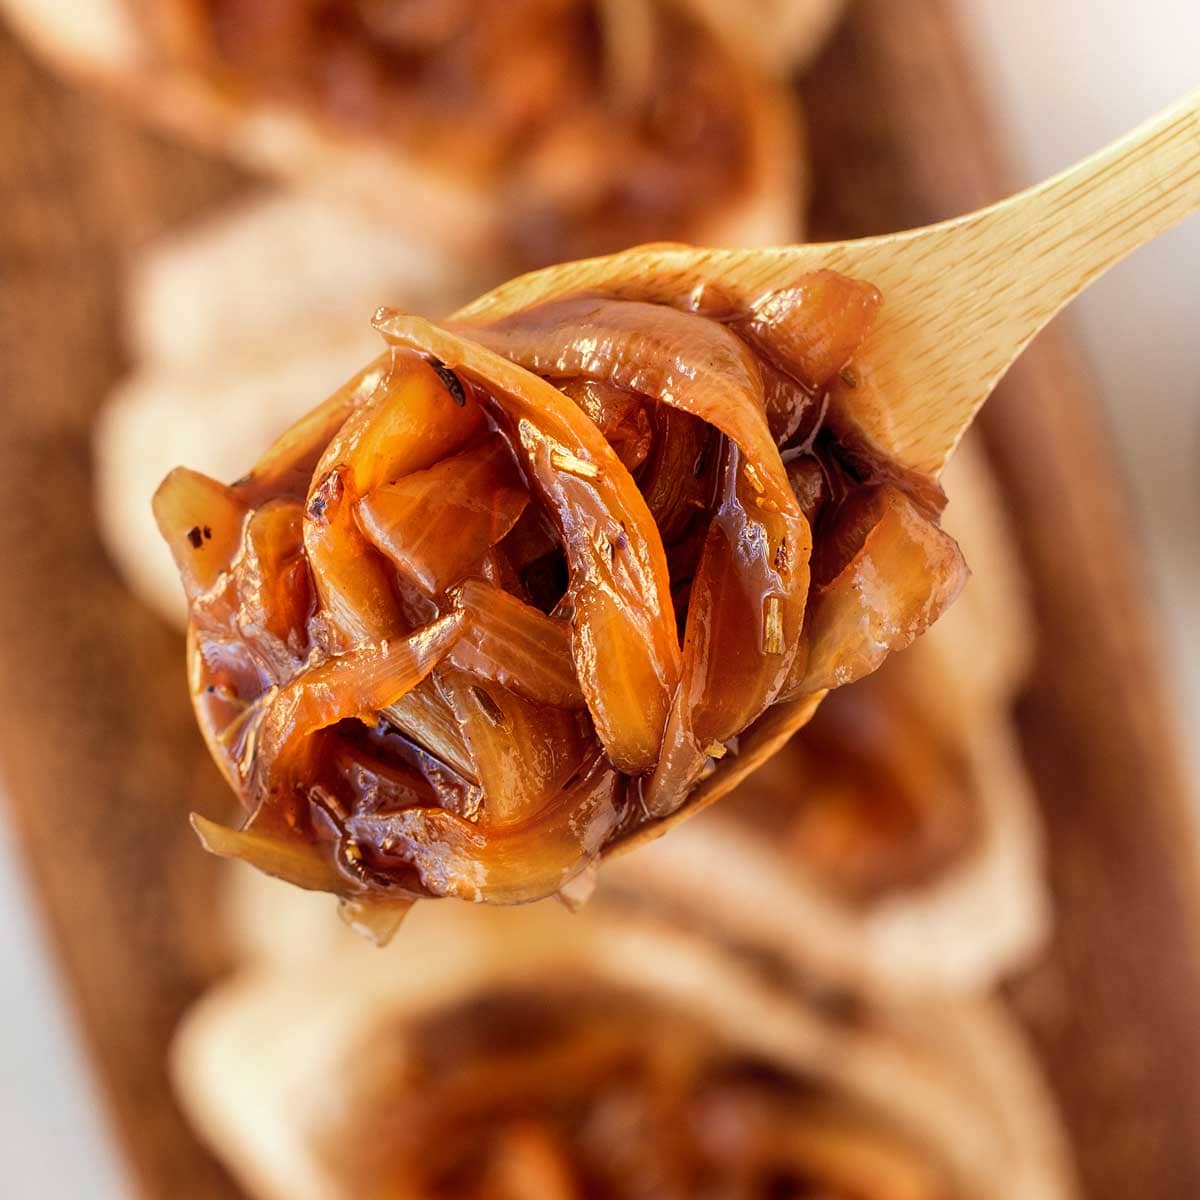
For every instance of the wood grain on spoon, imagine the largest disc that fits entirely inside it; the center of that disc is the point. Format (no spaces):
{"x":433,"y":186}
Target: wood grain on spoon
{"x":962,"y":298}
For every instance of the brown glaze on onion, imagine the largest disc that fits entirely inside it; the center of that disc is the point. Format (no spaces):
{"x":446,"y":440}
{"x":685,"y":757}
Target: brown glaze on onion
{"x":597,"y":124}
{"x":564,"y":1094}
{"x":516,"y":588}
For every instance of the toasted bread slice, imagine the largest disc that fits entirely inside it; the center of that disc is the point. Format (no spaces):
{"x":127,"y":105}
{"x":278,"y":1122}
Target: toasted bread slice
{"x":265,"y":1065}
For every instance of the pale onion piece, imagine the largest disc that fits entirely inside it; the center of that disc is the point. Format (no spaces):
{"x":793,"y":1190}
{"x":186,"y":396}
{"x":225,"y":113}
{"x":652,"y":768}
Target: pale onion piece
{"x":424,"y":717}
{"x":511,"y":865}
{"x":515,"y":644}
{"x":410,"y":422}
{"x":295,"y":860}
{"x":201,"y":520}
{"x":624,"y":642}
{"x":904,"y":576}
{"x":358,"y":683}
{"x":437,"y":524}
{"x":522,"y":753}
{"x":374,"y":917}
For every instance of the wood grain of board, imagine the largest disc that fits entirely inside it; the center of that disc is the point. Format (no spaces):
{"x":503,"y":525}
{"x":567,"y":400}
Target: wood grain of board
{"x":100,"y":761}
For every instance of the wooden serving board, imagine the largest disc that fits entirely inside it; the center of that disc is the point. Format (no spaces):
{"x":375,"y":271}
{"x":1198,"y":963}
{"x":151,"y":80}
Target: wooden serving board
{"x":100,"y":761}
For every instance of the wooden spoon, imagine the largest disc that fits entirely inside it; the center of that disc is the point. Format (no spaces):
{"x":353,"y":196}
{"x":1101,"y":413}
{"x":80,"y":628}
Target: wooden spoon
{"x":962,"y":298}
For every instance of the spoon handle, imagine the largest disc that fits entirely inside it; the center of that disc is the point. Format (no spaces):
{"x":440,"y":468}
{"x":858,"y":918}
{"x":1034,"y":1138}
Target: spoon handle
{"x":1051,"y":241}
{"x":972,"y":293}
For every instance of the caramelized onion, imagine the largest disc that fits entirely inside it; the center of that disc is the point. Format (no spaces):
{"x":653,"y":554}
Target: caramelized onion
{"x":622,"y":630}
{"x":677,"y":480}
{"x":620,"y":415}
{"x":293,"y":859}
{"x":900,"y":573}
{"x":813,"y":329}
{"x":886,"y":788}
{"x":678,"y":358}
{"x":436,"y":525}
{"x":514,"y":644}
{"x":526,"y":859}
{"x":280,"y":750}
{"x":514,"y":573}
{"x":410,"y":422}
{"x":202,"y":521}
{"x":426,"y":717}
{"x":523,"y":753}
{"x":577,"y":1090}
{"x":548,"y":130}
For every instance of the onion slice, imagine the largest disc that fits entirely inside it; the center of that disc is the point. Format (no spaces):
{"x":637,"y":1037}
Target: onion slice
{"x":358,"y":683}
{"x":900,"y":573}
{"x":746,"y":610}
{"x":201,"y":521}
{"x":409,"y":423}
{"x":425,"y":717}
{"x":294,"y":859}
{"x":437,"y":524}
{"x":812,"y":329}
{"x":512,"y":865}
{"x":624,"y":644}
{"x":523,"y":753}
{"x":515,"y":644}
{"x":678,"y":358}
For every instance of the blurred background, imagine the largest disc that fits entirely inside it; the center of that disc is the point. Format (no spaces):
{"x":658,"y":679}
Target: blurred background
{"x":1060,"y":80}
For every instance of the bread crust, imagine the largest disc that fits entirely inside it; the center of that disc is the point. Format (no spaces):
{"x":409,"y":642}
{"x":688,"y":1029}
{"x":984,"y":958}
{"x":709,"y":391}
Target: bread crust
{"x":112,"y":51}
{"x":954,"y":1076}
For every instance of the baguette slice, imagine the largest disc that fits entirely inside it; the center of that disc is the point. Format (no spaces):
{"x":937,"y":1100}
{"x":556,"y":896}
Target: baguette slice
{"x":115,"y":47}
{"x":265,"y":1064}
